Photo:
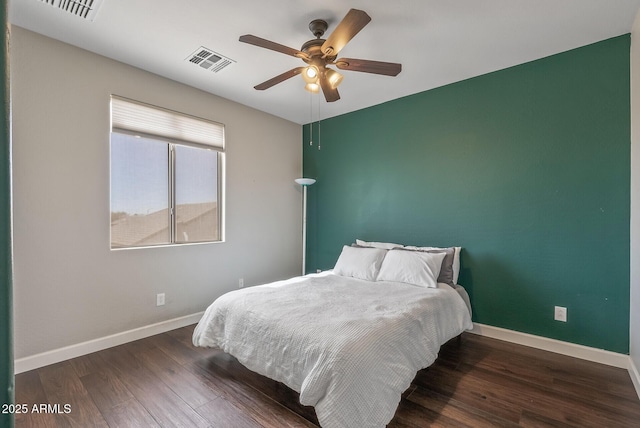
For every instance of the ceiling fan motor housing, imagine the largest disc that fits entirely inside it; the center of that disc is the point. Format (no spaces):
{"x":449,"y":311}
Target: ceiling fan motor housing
{"x":313,"y":48}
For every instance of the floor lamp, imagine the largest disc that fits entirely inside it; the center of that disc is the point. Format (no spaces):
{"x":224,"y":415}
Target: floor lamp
{"x":304,"y":182}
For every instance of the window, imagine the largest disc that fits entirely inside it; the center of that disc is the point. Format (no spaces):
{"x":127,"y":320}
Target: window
{"x":166,"y":177}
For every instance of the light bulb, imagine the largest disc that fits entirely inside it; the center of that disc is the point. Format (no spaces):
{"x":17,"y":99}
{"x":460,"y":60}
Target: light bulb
{"x":333,"y":77}
{"x":310,"y":74}
{"x":312,"y":87}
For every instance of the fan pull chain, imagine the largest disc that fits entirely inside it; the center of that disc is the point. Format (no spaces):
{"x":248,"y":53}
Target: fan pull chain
{"x":310,"y":119}
{"x":319,"y":141}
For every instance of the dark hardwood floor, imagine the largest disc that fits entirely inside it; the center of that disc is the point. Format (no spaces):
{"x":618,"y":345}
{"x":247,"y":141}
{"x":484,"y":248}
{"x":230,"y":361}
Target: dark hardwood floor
{"x":476,"y":382}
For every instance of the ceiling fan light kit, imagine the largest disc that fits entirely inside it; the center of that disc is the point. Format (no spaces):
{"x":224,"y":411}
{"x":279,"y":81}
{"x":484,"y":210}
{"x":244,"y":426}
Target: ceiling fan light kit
{"x":333,"y":77}
{"x":313,"y":87}
{"x":319,"y":53}
{"x":310,"y":74}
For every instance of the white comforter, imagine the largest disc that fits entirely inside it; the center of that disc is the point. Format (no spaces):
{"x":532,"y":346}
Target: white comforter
{"x":349,"y":347}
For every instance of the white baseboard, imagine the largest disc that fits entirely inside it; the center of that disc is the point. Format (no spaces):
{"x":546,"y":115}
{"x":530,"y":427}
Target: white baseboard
{"x":635,"y":376}
{"x":77,"y":350}
{"x":559,"y":347}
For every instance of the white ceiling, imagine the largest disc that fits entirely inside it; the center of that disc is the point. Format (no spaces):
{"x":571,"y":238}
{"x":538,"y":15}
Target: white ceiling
{"x":437,"y":41}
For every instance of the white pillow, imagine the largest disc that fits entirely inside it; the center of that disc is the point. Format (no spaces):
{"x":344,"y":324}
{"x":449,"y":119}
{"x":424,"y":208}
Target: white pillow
{"x":383,"y":245}
{"x":411,"y":267}
{"x":361,"y":263}
{"x":456,"y":258}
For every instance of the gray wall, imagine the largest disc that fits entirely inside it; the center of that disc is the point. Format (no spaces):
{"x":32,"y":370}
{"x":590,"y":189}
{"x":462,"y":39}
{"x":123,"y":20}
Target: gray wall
{"x":69,"y":286}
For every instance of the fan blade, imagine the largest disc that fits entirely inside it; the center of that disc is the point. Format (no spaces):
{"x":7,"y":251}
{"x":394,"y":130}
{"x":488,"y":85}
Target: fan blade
{"x":330,"y":94}
{"x":351,"y":24}
{"x":366,"y":66}
{"x":267,"y":44}
{"x":279,"y":78}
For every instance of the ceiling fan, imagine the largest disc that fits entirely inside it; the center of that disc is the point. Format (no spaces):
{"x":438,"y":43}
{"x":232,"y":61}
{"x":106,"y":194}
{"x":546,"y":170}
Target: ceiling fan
{"x":319,"y":53}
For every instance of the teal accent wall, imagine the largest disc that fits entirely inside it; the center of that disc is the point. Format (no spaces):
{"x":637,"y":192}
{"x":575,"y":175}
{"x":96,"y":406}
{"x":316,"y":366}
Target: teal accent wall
{"x":6,"y":342}
{"x":527,"y":168}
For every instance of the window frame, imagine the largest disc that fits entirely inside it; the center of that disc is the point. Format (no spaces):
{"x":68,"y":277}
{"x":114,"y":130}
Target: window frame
{"x":171,"y":184}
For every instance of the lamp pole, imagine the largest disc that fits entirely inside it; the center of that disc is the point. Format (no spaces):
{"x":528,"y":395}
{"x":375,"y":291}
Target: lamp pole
{"x":304,"y":182}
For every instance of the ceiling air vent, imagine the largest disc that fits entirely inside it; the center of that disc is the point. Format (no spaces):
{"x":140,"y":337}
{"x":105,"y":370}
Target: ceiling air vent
{"x":86,"y":9}
{"x":209,"y":60}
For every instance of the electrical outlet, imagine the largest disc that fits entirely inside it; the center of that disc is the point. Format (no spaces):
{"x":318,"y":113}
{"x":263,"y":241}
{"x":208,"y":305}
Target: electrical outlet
{"x":560,"y":314}
{"x":318,"y":270}
{"x":241,"y":283}
{"x":160,"y":299}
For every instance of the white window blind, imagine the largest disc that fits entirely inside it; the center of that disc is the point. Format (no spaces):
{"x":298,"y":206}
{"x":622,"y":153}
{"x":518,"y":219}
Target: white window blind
{"x":132,"y":116}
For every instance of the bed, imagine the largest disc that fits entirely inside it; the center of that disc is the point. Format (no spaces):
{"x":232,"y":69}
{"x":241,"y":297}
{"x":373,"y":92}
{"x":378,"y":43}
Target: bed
{"x":350,"y":340}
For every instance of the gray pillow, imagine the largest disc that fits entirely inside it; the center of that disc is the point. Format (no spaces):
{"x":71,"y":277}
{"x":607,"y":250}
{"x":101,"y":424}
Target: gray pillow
{"x":446,"y":270}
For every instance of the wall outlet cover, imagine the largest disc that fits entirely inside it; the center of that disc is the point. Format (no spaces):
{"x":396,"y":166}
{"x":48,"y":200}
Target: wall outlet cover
{"x":560,"y":314}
